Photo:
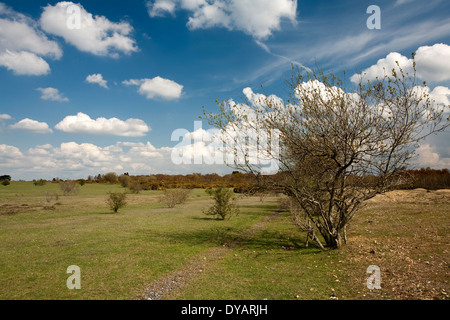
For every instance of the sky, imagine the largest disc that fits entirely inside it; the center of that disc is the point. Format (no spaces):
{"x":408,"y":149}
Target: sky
{"x":97,"y":86}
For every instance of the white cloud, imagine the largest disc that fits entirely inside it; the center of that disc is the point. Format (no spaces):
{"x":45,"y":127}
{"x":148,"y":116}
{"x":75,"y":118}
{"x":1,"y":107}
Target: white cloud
{"x":24,"y":63}
{"x":159,"y":8}
{"x":78,"y":160}
{"x":441,"y":95}
{"x":52,"y":94}
{"x":96,"y":35}
{"x":23,"y":44}
{"x":157,"y":88}
{"x":82,"y":123}
{"x":32,"y":125}
{"x":427,"y":156}
{"x":5,"y":116}
{"x":258,"y":18}
{"x":98,"y":79}
{"x":432,"y":64}
{"x":9,"y":152}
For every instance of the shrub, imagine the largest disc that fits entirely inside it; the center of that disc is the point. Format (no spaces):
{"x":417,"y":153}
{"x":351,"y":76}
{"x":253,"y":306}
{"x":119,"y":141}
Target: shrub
{"x":224,"y":205}
{"x":173,"y":197}
{"x":110,"y":177}
{"x":82,"y":182}
{"x":116,"y":200}
{"x":124,"y":180}
{"x":39,"y":182}
{"x":68,"y":187}
{"x":136,"y":186}
{"x":6,"y":183}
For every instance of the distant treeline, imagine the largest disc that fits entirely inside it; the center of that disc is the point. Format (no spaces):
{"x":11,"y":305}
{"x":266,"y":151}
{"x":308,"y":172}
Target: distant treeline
{"x":241,"y":182}
{"x":430,"y":179}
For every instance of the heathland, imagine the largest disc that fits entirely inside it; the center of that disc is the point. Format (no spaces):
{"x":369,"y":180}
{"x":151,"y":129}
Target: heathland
{"x":148,"y":250}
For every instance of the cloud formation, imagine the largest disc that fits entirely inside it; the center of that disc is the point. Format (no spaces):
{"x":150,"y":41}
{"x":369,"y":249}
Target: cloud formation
{"x":52,"y":94}
{"x":258,"y":18}
{"x":96,"y":34}
{"x":82,"y":123}
{"x":432,"y":64}
{"x":32,"y":126}
{"x":157,"y":88}
{"x":98,"y":79}
{"x":23,"y":45}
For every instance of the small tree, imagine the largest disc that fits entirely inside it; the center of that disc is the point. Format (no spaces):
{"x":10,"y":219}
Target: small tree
{"x":124,"y":180}
{"x":6,"y":183}
{"x":339,"y":144}
{"x":69,"y":187}
{"x":40,"y":182}
{"x":110,"y":177}
{"x":173,"y":197}
{"x":116,"y":200}
{"x":224,"y":206}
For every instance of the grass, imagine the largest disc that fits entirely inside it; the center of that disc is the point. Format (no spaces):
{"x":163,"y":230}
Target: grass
{"x":262,"y":255}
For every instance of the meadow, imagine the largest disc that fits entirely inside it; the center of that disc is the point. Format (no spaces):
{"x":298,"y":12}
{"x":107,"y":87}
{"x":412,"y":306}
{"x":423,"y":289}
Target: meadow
{"x":150,"y":251}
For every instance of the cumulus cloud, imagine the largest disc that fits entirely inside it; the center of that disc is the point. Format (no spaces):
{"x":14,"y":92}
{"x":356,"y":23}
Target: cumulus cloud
{"x":157,"y":88}
{"x":32,"y":125}
{"x":77,"y":160}
{"x":24,"y":63}
{"x":427,"y":156}
{"x":23,"y":44}
{"x":52,"y":94}
{"x":258,"y":18}
{"x":82,"y":123}
{"x":5,"y":116}
{"x":96,"y":35}
{"x":98,"y":79}
{"x":432,"y":64}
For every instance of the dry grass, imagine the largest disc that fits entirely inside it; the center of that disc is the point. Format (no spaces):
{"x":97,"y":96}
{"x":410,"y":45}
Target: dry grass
{"x":406,"y":234}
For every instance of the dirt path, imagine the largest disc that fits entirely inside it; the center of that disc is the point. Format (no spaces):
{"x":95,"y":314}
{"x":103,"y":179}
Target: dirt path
{"x":162,"y":288}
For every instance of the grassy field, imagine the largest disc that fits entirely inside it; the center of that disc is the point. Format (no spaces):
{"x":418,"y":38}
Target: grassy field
{"x":149,"y":251}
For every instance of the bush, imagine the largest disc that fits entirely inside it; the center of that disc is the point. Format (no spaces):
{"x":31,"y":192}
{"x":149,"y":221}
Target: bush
{"x":136,"y":186}
{"x":82,"y":182}
{"x":116,"y":200}
{"x":110,"y":177}
{"x":6,"y":183}
{"x":124,"y":180}
{"x":173,"y":197}
{"x":68,"y":187}
{"x":224,"y":205}
{"x":39,"y":182}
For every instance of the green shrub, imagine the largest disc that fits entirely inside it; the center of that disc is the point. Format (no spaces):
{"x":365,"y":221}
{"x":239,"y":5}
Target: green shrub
{"x":173,"y":197}
{"x":116,"y":200}
{"x":39,"y":182}
{"x":224,"y":206}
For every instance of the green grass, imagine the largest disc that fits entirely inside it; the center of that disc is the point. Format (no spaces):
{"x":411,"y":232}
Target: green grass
{"x":121,"y":254}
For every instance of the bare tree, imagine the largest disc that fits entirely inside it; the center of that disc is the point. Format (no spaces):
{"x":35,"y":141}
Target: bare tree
{"x":69,"y":187}
{"x":340,"y":144}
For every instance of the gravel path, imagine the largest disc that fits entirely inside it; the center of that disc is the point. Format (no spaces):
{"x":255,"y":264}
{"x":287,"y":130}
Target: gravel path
{"x":180,"y":278}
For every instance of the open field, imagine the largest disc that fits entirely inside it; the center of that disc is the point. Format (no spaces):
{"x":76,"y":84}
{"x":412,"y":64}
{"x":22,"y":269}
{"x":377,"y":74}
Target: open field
{"x":149,"y":251}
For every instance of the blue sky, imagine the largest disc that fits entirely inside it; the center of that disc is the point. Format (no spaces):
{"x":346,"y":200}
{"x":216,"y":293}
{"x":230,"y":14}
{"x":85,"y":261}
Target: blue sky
{"x":163,"y":60}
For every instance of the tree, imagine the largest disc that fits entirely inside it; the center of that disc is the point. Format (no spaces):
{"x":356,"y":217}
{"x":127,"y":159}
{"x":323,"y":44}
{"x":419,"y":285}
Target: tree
{"x":110,"y":177}
{"x":5,"y":177}
{"x":124,"y":180}
{"x":116,"y":200}
{"x":69,"y":187}
{"x":339,"y":144}
{"x":224,"y":207}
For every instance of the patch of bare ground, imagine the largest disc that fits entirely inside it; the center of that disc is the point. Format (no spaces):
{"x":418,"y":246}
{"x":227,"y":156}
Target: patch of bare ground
{"x":168,"y":286}
{"x":11,"y":209}
{"x":406,"y":234}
